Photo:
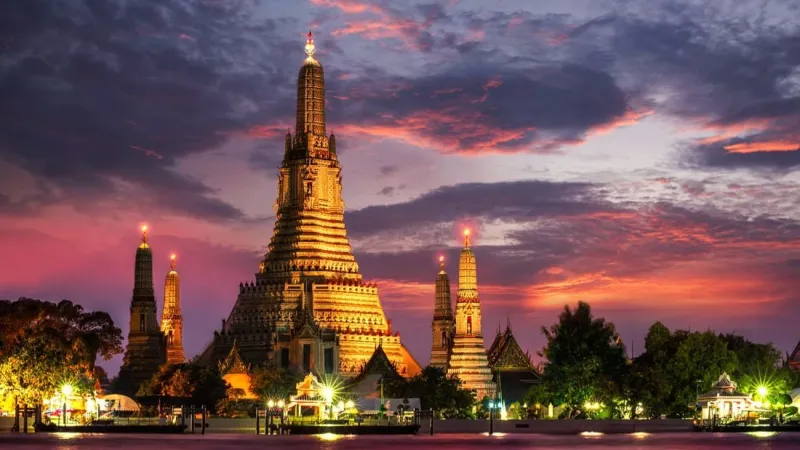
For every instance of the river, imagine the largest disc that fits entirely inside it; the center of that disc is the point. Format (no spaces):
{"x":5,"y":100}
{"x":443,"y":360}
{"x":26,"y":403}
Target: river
{"x":671,"y":441}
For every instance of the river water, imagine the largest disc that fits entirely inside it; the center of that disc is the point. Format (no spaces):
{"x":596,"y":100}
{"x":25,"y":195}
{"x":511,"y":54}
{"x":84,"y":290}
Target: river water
{"x":671,"y":441}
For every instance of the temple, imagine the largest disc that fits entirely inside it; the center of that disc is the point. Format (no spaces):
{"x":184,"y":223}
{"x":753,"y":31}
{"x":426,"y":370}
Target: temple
{"x":513,"y":371}
{"x":309,"y":308}
{"x":443,"y":327}
{"x":468,"y":359}
{"x":171,"y":318}
{"x":145,"y":351}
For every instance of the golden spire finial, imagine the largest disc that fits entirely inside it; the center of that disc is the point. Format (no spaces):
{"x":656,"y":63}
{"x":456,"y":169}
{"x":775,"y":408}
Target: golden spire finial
{"x":144,"y":234}
{"x":441,"y":262}
{"x":466,"y":237}
{"x":172,"y":261}
{"x":310,"y":45}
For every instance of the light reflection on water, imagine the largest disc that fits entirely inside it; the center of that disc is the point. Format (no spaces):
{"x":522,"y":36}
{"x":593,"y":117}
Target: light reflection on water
{"x":671,"y":441}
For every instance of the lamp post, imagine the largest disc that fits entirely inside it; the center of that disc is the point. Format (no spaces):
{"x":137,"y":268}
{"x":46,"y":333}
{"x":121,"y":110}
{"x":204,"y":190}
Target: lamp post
{"x":281,"y":406}
{"x":327,"y":393}
{"x":66,"y":391}
{"x":491,"y":417}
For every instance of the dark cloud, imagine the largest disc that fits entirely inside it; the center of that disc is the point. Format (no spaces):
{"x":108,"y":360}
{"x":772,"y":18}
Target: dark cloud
{"x":388,"y":170}
{"x":521,"y":200}
{"x":742,"y":83}
{"x":98,"y":94}
{"x":480,"y":108}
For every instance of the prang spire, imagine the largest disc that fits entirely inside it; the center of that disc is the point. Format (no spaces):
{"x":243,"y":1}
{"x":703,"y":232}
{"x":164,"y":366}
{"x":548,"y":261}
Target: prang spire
{"x":442,"y":326}
{"x":171,"y":317}
{"x":467,"y":271}
{"x":310,"y":95}
{"x":143,"y":271}
{"x":144,"y":352}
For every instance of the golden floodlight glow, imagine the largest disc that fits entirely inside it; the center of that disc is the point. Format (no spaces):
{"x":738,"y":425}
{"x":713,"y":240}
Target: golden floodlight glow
{"x":466,"y":232}
{"x":329,"y":436}
{"x":327,"y":393}
{"x":66,"y":389}
{"x":441,"y":259}
{"x":144,"y":228}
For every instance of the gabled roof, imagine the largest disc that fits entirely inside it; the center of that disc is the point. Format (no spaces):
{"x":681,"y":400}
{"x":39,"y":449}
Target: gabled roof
{"x":506,"y":354}
{"x":724,"y":387}
{"x":233,"y":362}
{"x":794,"y":358}
{"x":378,"y":363}
{"x":305,"y":326}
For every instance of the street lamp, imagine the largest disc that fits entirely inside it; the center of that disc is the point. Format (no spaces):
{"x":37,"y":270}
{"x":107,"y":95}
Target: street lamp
{"x":762,"y":392}
{"x":491,"y":417}
{"x":66,"y":391}
{"x":327,"y":394}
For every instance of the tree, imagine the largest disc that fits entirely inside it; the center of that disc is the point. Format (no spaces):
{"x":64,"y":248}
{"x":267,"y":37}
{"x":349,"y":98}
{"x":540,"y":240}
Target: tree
{"x":270,"y":382}
{"x":436,"y":391}
{"x":675,"y":366}
{"x":585,"y":362}
{"x":202,"y":384}
{"x":44,"y":345}
{"x":751,"y":358}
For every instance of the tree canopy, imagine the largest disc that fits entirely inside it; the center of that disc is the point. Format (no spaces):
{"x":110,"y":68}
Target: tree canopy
{"x":436,"y":391}
{"x":44,"y":345}
{"x":585,"y":362}
{"x":202,"y":384}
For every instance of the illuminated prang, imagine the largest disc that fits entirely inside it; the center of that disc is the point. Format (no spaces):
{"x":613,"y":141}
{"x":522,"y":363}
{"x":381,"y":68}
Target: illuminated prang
{"x":468,"y":360}
{"x":171,"y":317}
{"x":144,"y":352}
{"x":309,"y":308}
{"x":442,"y":326}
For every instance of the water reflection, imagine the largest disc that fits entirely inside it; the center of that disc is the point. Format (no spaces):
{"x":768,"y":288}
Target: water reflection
{"x":512,"y":441}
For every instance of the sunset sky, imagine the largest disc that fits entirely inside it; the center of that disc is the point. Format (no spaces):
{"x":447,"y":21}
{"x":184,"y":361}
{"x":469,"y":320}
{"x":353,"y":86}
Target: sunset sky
{"x":638,"y":155}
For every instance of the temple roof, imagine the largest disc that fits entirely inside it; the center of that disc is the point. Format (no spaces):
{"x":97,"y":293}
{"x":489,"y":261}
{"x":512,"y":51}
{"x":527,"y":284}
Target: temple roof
{"x":724,"y":387}
{"x":795,"y":356}
{"x":505,"y":354}
{"x":378,"y":363}
{"x":233,"y":363}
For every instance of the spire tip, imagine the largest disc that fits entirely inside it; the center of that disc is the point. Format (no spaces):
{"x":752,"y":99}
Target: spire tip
{"x":310,"y":45}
